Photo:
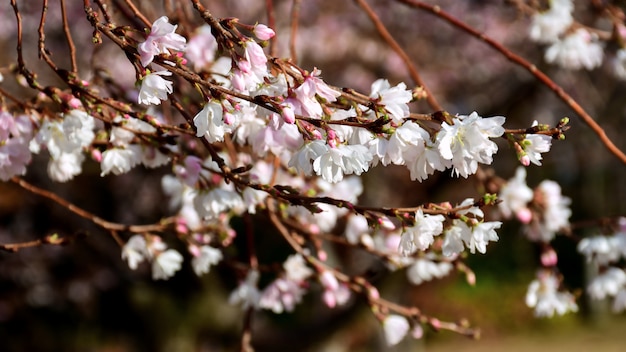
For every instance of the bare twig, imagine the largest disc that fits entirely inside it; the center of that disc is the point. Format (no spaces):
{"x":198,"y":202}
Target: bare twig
{"x":68,"y":36}
{"x":295,"y":18}
{"x":384,"y":33}
{"x":107,"y":225}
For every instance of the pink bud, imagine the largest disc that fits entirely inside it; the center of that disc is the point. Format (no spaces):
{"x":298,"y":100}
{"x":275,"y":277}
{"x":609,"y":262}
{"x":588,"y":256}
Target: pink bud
{"x":263,"y":32}
{"x":288,"y":114}
{"x":322,"y":255}
{"x":525,"y":160}
{"x":470,"y":277}
{"x":417,"y":332}
{"x":96,"y":155}
{"x":373,"y":293}
{"x":524,"y":215}
{"x":229,"y":118}
{"x":435,"y":323}
{"x":385,"y":223}
{"x":549,"y":257}
{"x":237,"y":80}
{"x":329,"y":298}
{"x":74,"y":103}
{"x":244,"y":66}
{"x":194,"y":250}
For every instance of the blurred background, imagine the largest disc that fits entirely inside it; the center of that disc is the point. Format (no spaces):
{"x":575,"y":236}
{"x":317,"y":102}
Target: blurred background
{"x":83,"y":297}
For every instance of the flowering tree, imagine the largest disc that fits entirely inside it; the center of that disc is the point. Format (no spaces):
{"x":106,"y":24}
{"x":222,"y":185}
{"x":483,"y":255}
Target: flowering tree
{"x":250,"y":143}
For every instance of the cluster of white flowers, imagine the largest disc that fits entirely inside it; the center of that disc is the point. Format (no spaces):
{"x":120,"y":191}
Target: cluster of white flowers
{"x":570,"y":49}
{"x":65,"y":140}
{"x":604,"y":252}
{"x":124,"y":155}
{"x":545,"y":297}
{"x":165,"y":262}
{"x":545,"y":211}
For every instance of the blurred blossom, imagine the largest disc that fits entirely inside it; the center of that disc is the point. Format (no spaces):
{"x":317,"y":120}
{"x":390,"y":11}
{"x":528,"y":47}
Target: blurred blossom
{"x":395,"y":328}
{"x":577,"y":50}
{"x":543,"y":295}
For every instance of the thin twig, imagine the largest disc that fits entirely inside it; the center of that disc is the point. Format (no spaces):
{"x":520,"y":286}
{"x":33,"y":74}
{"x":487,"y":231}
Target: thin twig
{"x":271,"y":22}
{"x":138,"y":14}
{"x":68,"y":36}
{"x":111,"y":226}
{"x":542,"y":77}
{"x":295,"y":16}
{"x":384,"y":33}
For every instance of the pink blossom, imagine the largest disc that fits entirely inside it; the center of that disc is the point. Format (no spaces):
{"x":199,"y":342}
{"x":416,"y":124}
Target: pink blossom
{"x":160,"y":39}
{"x":263,"y":32}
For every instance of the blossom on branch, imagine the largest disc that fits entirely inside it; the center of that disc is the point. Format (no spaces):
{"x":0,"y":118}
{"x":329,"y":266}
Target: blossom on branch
{"x":154,"y":88}
{"x":466,"y":142}
{"x":160,"y":39}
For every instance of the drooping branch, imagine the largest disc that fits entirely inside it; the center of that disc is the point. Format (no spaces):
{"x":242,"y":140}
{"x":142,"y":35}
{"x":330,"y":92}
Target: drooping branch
{"x":518,"y":60}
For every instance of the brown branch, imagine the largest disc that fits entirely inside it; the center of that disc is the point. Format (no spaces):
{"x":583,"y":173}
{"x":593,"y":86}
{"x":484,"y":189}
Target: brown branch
{"x":107,"y":225}
{"x":271,"y":22}
{"x":542,"y":77}
{"x":138,"y":14}
{"x":387,"y":37}
{"x":295,"y":15}
{"x":68,"y":36}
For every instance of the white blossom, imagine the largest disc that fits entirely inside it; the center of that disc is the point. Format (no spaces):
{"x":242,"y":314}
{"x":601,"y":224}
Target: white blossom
{"x":546,"y":27}
{"x":211,"y":204}
{"x":296,"y":269}
{"x":422,"y":234}
{"x":601,"y":249}
{"x":619,"y":64}
{"x":425,"y":270}
{"x":619,"y":302}
{"x":609,"y":283}
{"x":209,"y":122}
{"x":356,"y":227}
{"x":535,"y":144}
{"x":515,"y":195}
{"x":342,"y":160}
{"x":466,"y":143}
{"x":166,"y":264}
{"x":281,"y":295}
{"x":394,"y":99}
{"x":395,"y":328}
{"x":544,"y":297}
{"x":154,"y":88}
{"x":65,"y":166}
{"x":577,"y":50}
{"x":134,"y":251}
{"x":247,"y":294}
{"x":555,"y":212}
{"x":206,"y":257}
{"x":118,"y":160}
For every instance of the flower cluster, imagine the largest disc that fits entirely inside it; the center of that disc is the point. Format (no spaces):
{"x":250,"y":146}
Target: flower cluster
{"x":605,"y":253}
{"x":544,"y":211}
{"x":570,"y":46}
{"x":545,"y":297}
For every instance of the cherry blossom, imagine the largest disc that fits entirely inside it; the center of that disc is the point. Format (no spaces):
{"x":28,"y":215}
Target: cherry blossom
{"x":395,"y":328}
{"x":160,"y":39}
{"x":577,"y":50}
{"x":421,"y":235}
{"x":543,"y":295}
{"x":154,"y":88}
